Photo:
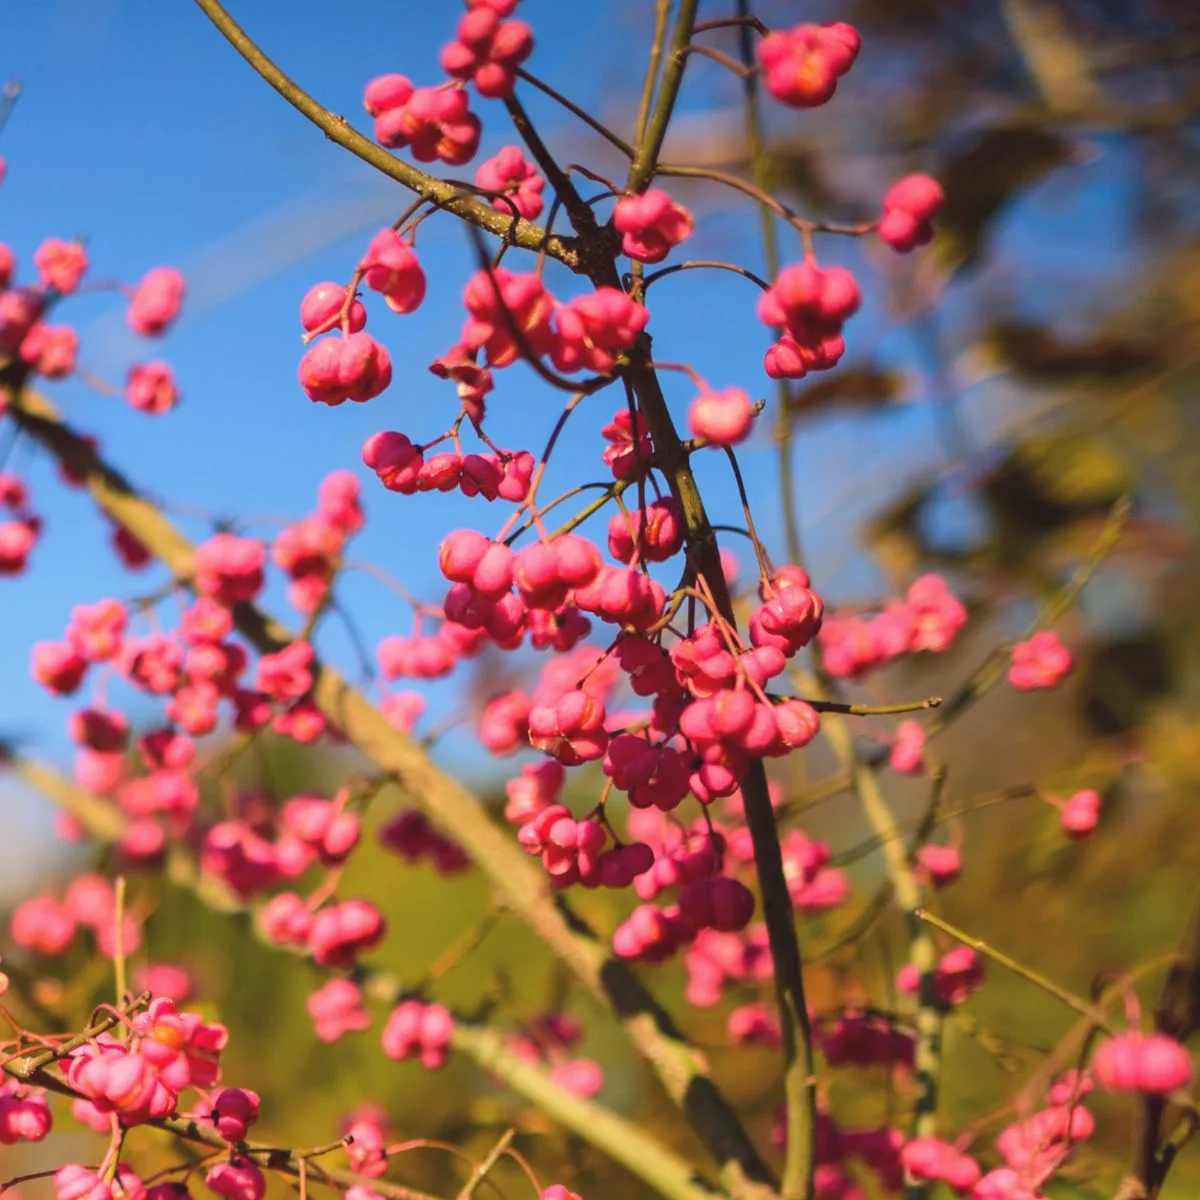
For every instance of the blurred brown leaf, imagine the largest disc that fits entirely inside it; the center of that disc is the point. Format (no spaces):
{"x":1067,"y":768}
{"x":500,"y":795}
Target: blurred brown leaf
{"x":865,"y":386}
{"x":1036,"y":353}
{"x":981,"y":179}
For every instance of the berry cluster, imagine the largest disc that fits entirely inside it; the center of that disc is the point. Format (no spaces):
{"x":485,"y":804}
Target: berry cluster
{"x":648,"y":688}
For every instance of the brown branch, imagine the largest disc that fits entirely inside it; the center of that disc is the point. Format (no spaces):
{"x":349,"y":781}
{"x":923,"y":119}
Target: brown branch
{"x":337,"y":129}
{"x":448,"y":804}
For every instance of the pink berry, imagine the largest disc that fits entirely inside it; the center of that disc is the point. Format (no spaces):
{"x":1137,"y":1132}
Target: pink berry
{"x":651,"y":224}
{"x":391,"y":267}
{"x":336,"y":369}
{"x":156,"y":301}
{"x":321,"y":308}
{"x":151,"y":388}
{"x":1081,"y":814}
{"x":721,"y":418}
{"x":1042,"y":662}
{"x":60,"y":264}
{"x":510,"y":174}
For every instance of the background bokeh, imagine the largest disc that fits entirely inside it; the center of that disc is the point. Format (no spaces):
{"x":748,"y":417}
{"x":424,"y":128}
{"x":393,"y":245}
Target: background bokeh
{"x":1001,"y":392}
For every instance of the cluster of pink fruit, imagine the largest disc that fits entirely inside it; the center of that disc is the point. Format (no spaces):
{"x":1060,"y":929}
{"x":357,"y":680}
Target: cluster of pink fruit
{"x":706,"y":703}
{"x":32,"y":347}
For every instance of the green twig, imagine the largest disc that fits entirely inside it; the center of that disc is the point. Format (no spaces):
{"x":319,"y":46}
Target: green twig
{"x":993,"y":668}
{"x":662,"y":12}
{"x":650,"y":143}
{"x":1081,"y":1006}
{"x":481,"y":1172}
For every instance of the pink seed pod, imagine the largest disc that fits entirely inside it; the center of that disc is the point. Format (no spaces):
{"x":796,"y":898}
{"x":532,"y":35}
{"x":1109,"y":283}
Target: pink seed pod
{"x":50,"y":350}
{"x":96,"y":630}
{"x":801,"y":67}
{"x":909,"y":206}
{"x":592,"y":330}
{"x":392,"y":268}
{"x":386,"y":92}
{"x":651,"y":224}
{"x":24,"y":1114}
{"x":8,"y":265}
{"x":230,"y":569}
{"x":1132,"y":1062}
{"x":286,"y":920}
{"x":340,"y":932}
{"x":43,"y":925}
{"x":233,"y":1112}
{"x":425,"y":1030}
{"x":169,"y":981}
{"x":337,"y":1009}
{"x":20,"y":310}
{"x":150,"y":388}
{"x":496,"y":302}
{"x":721,"y":418}
{"x":1042,"y":662}
{"x":521,"y":186}
{"x":395,"y":460}
{"x":321,"y":309}
{"x":60,"y":265}
{"x":1004,"y":1184}
{"x":582,"y":1077}
{"x":435,"y":123}
{"x":907,"y":755}
{"x":806,"y":298}
{"x":156,"y":302}
{"x":336,"y":369}
{"x":115,"y":1081}
{"x":75,"y":1182}
{"x":753,"y":1025}
{"x":1081,"y":814}
{"x":942,"y":863}
{"x":237,"y":1179}
{"x":487,"y":51}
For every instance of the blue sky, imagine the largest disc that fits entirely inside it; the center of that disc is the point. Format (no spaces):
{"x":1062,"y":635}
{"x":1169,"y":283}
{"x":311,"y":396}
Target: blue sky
{"x":142,"y":131}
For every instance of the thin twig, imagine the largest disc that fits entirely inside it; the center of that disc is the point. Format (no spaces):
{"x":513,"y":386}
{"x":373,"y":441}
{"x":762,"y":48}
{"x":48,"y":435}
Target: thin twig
{"x":992,"y":670}
{"x":1081,"y":1006}
{"x":481,"y":1172}
{"x":586,"y":117}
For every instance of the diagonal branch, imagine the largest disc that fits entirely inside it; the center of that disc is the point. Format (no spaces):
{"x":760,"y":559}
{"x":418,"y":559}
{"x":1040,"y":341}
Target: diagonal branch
{"x":518,"y":232}
{"x":451,"y":807}
{"x":286,"y":1162}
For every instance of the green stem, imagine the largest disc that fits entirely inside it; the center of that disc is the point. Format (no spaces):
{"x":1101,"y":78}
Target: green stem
{"x":906,"y":888}
{"x":30,"y":1065}
{"x":650,"y":144}
{"x":799,"y":1072}
{"x":662,"y":11}
{"x":760,"y":172}
{"x":1081,"y":1006}
{"x":799,"y":1078}
{"x":481,"y":1172}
